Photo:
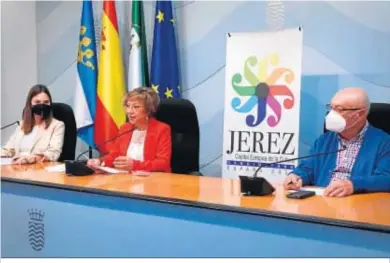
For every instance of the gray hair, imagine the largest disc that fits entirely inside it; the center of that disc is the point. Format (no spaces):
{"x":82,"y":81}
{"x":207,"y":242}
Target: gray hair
{"x":367,"y":102}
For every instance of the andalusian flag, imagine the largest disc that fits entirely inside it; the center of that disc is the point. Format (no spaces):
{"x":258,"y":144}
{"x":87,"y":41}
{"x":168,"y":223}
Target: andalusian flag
{"x":110,"y":114}
{"x":138,"y":59}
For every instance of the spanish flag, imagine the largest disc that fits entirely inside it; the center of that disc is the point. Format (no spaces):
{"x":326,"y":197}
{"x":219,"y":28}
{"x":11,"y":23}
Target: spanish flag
{"x":110,"y":114}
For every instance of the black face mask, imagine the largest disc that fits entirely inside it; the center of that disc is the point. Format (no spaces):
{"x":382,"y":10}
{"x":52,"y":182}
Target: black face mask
{"x":43,"y":110}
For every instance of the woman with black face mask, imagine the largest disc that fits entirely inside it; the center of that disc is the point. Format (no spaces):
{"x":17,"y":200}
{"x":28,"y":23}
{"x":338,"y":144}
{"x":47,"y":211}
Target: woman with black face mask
{"x":40,"y":136}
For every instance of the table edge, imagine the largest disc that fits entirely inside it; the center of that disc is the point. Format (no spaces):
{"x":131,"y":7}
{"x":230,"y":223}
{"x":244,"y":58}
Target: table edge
{"x":211,"y":206}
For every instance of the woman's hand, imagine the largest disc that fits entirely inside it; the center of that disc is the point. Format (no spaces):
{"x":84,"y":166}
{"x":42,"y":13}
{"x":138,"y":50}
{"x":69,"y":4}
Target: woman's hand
{"x":123,"y":162}
{"x":93,"y":163}
{"x":35,"y":158}
{"x":20,"y":160}
{"x":29,"y":159}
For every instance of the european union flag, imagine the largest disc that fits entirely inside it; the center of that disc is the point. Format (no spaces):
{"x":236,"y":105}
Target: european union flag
{"x":164,"y":69}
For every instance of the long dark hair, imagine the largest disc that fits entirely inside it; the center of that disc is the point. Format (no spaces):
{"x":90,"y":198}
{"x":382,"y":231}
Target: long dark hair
{"x":28,"y":118}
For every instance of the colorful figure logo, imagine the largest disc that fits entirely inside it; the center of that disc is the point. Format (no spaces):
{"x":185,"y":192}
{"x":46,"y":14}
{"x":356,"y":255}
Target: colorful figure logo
{"x":262,"y":89}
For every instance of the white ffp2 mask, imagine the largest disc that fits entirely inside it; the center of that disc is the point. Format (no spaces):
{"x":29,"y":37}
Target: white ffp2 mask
{"x":335,"y":122}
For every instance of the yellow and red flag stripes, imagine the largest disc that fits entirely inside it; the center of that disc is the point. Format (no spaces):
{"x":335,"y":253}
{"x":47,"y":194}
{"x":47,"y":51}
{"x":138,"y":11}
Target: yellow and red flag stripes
{"x":110,"y":114}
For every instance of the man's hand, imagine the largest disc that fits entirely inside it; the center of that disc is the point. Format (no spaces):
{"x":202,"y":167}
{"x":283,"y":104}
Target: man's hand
{"x":339,"y":188}
{"x":123,"y":162}
{"x":292,"y":182}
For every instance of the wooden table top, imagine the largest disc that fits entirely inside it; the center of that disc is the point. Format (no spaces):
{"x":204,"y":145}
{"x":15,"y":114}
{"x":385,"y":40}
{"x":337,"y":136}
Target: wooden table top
{"x":365,"y":211}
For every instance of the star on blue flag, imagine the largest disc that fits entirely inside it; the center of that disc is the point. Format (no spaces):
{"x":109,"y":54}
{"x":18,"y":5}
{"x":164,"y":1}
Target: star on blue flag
{"x":165,"y":69}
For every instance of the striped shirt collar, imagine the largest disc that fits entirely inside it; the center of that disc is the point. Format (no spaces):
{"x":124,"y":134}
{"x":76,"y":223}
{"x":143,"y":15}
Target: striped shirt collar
{"x":357,"y":138}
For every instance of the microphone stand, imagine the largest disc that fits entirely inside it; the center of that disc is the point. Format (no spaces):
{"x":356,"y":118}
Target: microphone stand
{"x":298,"y":158}
{"x":258,"y":186}
{"x":9,"y":125}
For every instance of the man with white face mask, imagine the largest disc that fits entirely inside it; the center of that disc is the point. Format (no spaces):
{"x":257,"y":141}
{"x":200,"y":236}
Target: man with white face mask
{"x":363,"y":165}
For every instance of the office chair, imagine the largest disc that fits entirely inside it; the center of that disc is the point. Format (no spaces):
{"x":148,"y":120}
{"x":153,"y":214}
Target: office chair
{"x":181,"y":116}
{"x":379,"y":116}
{"x":64,"y":113}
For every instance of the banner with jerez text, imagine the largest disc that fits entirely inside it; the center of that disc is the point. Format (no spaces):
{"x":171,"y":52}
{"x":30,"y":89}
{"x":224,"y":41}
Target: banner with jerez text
{"x":262,"y":103}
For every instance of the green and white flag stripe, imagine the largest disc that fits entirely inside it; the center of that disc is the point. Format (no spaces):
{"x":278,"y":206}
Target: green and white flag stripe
{"x":138,"y":74}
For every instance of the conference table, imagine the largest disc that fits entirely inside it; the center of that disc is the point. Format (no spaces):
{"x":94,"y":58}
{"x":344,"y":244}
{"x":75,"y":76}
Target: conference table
{"x":50,"y":214}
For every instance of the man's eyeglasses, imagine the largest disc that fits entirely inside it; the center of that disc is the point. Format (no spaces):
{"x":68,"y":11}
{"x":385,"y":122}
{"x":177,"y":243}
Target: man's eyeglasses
{"x":340,"y":109}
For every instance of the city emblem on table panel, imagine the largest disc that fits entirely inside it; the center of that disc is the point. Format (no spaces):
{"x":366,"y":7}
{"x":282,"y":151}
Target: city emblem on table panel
{"x":36,"y":229}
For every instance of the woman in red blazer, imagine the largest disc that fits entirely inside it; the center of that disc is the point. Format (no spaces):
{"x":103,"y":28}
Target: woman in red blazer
{"x":147,"y":147}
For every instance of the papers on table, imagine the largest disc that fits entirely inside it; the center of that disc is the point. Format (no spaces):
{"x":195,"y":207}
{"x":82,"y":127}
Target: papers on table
{"x":6,"y":161}
{"x":111,"y":170}
{"x":56,"y":168}
{"x":61,"y":168}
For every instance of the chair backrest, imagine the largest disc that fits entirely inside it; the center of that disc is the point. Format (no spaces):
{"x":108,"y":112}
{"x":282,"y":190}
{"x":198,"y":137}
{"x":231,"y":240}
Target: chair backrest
{"x":181,"y":116}
{"x":64,"y":113}
{"x":379,"y":116}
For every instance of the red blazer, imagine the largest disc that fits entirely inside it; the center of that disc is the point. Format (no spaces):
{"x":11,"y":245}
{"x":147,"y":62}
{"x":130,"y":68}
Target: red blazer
{"x":157,"y":147}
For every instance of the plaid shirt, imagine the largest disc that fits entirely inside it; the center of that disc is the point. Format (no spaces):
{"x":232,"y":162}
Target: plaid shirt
{"x":346,"y":158}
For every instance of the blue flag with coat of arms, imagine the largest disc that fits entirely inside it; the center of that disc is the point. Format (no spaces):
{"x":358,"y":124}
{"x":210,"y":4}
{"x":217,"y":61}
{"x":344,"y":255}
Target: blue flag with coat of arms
{"x":86,"y":80}
{"x":164,"y":68}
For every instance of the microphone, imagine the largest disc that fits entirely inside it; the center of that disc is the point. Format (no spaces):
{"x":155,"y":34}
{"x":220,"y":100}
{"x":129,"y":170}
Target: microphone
{"x":258,"y":186}
{"x":343,"y":148}
{"x":9,"y":125}
{"x":80,"y":168}
{"x":109,"y":140}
